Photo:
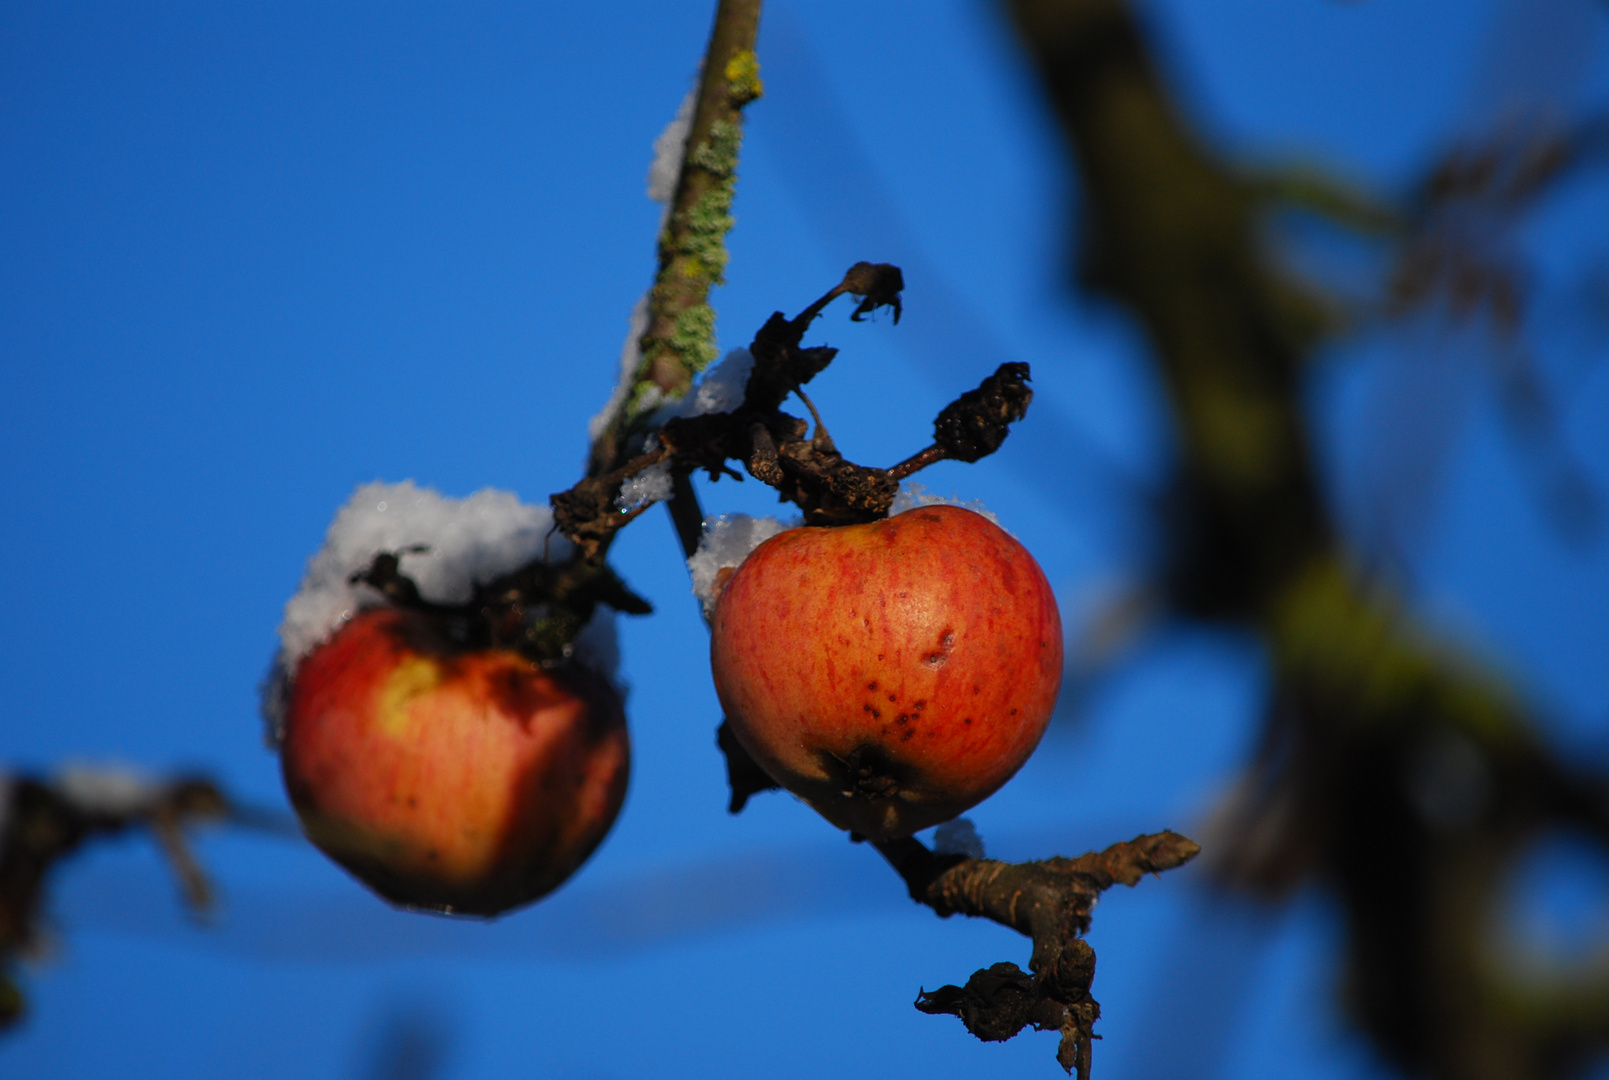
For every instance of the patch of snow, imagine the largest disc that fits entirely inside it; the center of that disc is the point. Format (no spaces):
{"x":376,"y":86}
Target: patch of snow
{"x":651,"y":485}
{"x":670,"y":148}
{"x":912,"y":495}
{"x":109,"y":789}
{"x":598,"y":646}
{"x":720,"y":389}
{"x":958,"y":837}
{"x":726,"y":542}
{"x":466,"y":541}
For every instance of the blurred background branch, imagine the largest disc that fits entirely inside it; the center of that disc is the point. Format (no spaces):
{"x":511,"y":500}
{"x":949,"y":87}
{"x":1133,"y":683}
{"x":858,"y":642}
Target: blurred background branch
{"x":1393,"y":769}
{"x":44,"y":822}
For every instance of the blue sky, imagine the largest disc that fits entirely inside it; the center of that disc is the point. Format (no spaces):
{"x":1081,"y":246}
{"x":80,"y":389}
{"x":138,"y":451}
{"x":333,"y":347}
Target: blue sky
{"x":253,"y":255}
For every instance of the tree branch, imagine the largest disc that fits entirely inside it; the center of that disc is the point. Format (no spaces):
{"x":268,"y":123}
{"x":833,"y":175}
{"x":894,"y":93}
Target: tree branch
{"x":1050,"y":902}
{"x":1392,"y":767}
{"x":45,"y":823}
{"x":680,"y":339}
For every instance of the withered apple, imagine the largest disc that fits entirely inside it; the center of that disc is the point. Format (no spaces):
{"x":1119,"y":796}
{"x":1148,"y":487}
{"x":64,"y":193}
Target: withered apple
{"x":891,"y":674}
{"x":465,"y":781}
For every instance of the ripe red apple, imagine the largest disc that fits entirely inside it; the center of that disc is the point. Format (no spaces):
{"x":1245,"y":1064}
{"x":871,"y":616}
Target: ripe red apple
{"x":470,"y":781}
{"x":891,"y":674}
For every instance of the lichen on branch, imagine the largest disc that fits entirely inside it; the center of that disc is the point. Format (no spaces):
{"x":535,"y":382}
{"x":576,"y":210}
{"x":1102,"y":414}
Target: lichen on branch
{"x":679,"y":341}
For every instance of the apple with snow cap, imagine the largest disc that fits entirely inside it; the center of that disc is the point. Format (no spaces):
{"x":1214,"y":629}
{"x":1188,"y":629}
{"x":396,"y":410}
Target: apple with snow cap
{"x":471,"y":781}
{"x":891,"y":674}
{"x":443,"y":773}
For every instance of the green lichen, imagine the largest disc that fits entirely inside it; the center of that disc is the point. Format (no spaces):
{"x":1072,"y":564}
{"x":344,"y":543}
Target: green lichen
{"x":691,"y":342}
{"x":645,"y":398}
{"x":743,"y":83}
{"x":693,"y":254}
{"x":1362,"y":648}
{"x":701,"y":239}
{"x":718,"y":152}
{"x":694,"y":337}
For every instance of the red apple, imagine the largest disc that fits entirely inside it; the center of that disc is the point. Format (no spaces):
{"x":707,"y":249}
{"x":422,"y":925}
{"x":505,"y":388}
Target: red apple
{"x":470,"y":781}
{"x":891,"y":674}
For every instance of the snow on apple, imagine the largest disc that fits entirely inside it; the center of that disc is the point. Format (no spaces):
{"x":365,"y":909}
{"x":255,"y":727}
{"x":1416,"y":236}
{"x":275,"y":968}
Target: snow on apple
{"x":912,"y":495}
{"x":449,"y":544}
{"x":726,"y":542}
{"x":441,"y":774}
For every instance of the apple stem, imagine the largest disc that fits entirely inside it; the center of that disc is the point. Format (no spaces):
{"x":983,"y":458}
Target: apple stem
{"x":918,"y":461}
{"x":685,"y":513}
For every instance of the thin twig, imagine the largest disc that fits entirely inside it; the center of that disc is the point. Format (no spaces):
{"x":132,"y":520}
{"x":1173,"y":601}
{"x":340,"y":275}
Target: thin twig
{"x":685,"y":513}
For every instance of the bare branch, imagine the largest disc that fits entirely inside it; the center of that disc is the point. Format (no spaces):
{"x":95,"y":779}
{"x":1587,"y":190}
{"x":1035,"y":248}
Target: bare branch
{"x":1050,"y":902}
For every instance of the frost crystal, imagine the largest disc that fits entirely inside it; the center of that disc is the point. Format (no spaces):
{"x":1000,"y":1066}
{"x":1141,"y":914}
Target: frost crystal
{"x":912,"y":495}
{"x":112,"y":790}
{"x":651,"y":485}
{"x":727,"y":541}
{"x":958,"y":837}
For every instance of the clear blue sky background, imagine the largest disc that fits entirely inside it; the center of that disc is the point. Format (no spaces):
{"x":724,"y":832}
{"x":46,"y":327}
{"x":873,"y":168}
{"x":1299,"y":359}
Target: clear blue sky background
{"x":253,"y":255}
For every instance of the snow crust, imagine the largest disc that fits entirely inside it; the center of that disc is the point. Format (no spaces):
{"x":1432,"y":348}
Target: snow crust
{"x":111,"y":789}
{"x":466,"y":541}
{"x":958,"y":837}
{"x":726,"y":542}
{"x":669,"y":150}
{"x":719,"y":390}
{"x":912,"y":495}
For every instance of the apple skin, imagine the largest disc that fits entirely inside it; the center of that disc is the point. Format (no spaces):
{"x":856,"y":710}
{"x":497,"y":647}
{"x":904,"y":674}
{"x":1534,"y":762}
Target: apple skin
{"x":892,"y":674}
{"x":462,"y":781}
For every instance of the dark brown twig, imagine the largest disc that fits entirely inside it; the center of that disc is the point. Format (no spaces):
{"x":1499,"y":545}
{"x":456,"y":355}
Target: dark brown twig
{"x":46,"y":823}
{"x":772,"y":445}
{"x":1050,"y":902}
